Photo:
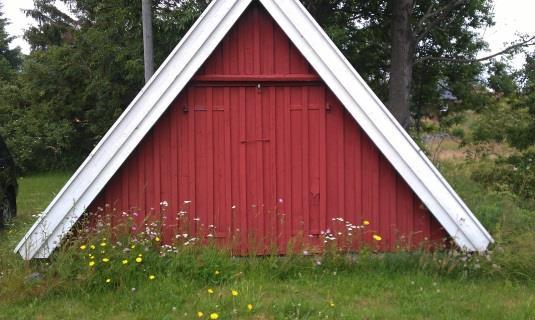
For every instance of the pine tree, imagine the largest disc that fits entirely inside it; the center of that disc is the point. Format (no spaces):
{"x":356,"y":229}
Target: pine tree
{"x":10,"y":59}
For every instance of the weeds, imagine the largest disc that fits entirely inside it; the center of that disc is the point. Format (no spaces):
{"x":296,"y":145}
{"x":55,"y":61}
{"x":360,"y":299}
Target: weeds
{"x":191,"y":277}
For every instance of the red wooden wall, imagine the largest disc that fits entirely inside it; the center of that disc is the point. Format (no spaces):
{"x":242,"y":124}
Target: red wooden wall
{"x":265,"y":153}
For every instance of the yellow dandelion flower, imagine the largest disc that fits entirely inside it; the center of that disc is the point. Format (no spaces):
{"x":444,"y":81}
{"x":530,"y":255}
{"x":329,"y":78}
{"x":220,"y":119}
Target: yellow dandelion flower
{"x":200,"y":314}
{"x":92,"y":257}
{"x":365,"y":222}
{"x":234,"y":293}
{"x":108,"y":280}
{"x":210,"y":290}
{"x":214,"y":316}
{"x":92,"y":247}
{"x":152,"y":277}
{"x":103,"y":244}
{"x":377,"y":237}
{"x":125,"y":261}
{"x":157,"y":239}
{"x":133,"y":246}
{"x":140,"y":255}
{"x":250,"y":307}
{"x":83,"y":247}
{"x":105,"y":260}
{"x":139,"y":259}
{"x":216,"y":272}
{"x":91,"y":263}
{"x":332,"y":304}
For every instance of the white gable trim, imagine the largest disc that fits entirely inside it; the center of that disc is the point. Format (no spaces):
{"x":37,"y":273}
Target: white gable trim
{"x":181,"y":65}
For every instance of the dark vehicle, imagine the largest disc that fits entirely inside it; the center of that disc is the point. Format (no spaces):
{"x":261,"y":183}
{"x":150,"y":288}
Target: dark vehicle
{"x":8,"y":186}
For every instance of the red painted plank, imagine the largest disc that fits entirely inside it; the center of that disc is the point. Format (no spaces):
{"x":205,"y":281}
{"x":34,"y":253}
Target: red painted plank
{"x":133,"y":203}
{"x":219,"y":115}
{"x":270,"y":203}
{"x":332,"y":141}
{"x":236,"y":146}
{"x":173,"y":167}
{"x":242,"y":203}
{"x":351,"y":153}
{"x":282,"y":170}
{"x":192,"y":162}
{"x":165,"y":177}
{"x":226,"y":207}
{"x":281,"y":47}
{"x":184,"y":154}
{"x":156,"y":172}
{"x":313,"y":187}
{"x":387,"y":204}
{"x":323,"y":161}
{"x":266,"y":45}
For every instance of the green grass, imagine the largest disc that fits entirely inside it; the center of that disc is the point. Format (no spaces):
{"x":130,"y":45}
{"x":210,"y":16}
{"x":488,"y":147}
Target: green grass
{"x":355,"y":295}
{"x":392,"y":286}
{"x":36,"y":191}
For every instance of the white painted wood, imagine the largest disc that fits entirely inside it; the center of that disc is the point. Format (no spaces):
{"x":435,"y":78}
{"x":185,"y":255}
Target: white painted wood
{"x":192,"y":51}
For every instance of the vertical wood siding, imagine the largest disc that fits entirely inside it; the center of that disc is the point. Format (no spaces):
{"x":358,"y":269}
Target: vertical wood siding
{"x":265,"y":153}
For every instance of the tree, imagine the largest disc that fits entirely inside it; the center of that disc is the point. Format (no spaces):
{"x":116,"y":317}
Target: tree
{"x":523,"y":137}
{"x":10,"y":59}
{"x":82,"y":72}
{"x":423,"y":30}
{"x":403,"y":52}
{"x":86,"y":67}
{"x":54,"y":27}
{"x":148,"y":43}
{"x":411,"y":50}
{"x":501,"y":80}
{"x":395,"y":46}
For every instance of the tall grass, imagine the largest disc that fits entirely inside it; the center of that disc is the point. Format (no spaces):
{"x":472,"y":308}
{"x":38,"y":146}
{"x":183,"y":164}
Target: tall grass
{"x":174,"y":282}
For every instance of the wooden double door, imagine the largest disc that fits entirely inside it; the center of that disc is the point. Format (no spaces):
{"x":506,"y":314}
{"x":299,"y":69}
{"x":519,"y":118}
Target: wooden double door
{"x":258,"y":166}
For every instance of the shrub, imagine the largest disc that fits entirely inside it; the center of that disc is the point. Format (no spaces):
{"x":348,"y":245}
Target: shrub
{"x":515,"y":173}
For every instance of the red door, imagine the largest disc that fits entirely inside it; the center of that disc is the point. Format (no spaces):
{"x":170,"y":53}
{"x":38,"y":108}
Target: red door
{"x":257,"y":156}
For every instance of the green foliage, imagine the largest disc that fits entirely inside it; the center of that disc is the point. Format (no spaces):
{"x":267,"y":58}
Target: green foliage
{"x":9,"y":58}
{"x":523,"y":137}
{"x":509,"y":121}
{"x":54,"y":27}
{"x":362,"y":31}
{"x":501,"y":79}
{"x":82,"y":73}
{"x":499,"y":122}
{"x":515,"y":173}
{"x":453,"y":38}
{"x":508,"y":216}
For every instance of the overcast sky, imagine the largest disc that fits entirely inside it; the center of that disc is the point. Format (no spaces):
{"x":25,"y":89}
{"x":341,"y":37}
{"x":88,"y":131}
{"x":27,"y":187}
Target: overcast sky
{"x":511,"y":16}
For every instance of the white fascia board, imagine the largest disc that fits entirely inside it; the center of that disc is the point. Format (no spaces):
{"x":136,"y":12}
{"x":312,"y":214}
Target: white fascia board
{"x":128,"y":131}
{"x":379,"y":124}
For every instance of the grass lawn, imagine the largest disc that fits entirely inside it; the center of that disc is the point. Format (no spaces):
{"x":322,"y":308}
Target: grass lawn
{"x":380,"y":287}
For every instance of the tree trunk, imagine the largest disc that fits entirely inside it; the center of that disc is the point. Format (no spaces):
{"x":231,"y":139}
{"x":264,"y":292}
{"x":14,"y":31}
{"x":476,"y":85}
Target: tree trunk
{"x":401,"y":62}
{"x":148,"y":47}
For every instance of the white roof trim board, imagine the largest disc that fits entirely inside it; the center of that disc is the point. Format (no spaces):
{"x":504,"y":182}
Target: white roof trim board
{"x":181,"y":65}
